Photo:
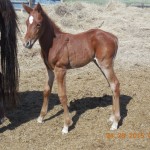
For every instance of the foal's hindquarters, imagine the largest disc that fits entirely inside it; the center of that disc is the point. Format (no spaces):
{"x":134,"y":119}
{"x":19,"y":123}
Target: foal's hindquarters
{"x":105,"y":61}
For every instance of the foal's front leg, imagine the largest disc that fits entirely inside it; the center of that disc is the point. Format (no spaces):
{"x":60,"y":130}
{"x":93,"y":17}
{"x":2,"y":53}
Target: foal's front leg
{"x":60,"y":76}
{"x":46,"y":93}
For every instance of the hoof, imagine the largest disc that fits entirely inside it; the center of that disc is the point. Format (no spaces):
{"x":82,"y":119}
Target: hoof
{"x":40,"y":119}
{"x":114,"y":126}
{"x":65,"y":129}
{"x":2,"y":120}
{"x":112,"y":129}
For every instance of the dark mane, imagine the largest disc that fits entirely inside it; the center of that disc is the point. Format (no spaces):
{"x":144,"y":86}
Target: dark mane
{"x":50,"y":32}
{"x":51,"y":22}
{"x":8,"y":46}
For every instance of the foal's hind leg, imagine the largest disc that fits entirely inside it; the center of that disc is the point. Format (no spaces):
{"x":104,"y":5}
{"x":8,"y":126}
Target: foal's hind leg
{"x":60,"y":76}
{"x":107,"y":70}
{"x":46,"y":93}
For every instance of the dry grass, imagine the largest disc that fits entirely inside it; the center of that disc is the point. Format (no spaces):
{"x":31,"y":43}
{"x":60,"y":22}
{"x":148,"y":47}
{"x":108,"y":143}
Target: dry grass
{"x":88,"y":93}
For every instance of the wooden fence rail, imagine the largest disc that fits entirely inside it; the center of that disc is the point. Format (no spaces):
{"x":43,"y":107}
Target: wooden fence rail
{"x":18,"y":3}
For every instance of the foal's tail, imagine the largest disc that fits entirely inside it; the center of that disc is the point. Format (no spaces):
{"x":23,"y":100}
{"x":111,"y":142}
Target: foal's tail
{"x":116,"y":46}
{"x":8,"y":46}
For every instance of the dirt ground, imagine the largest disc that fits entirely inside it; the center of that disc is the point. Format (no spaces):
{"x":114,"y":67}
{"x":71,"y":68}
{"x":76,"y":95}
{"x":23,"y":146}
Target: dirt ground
{"x":89,"y":97}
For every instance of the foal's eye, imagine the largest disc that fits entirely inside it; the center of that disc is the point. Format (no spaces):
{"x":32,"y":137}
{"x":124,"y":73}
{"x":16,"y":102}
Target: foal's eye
{"x":38,"y":25}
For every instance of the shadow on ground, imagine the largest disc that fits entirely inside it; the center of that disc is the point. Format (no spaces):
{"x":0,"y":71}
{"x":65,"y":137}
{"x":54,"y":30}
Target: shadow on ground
{"x":28,"y":109}
{"x":31,"y":102}
{"x":82,"y":105}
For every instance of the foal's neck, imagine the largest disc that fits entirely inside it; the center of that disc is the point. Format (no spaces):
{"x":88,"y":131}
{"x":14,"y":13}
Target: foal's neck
{"x":51,"y":30}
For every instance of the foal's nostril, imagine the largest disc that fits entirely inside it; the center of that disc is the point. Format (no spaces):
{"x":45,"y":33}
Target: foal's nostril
{"x":28,"y":44}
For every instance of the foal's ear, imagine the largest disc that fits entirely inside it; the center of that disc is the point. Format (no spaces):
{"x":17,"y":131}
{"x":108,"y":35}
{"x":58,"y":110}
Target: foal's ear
{"x":27,"y":9}
{"x":38,"y":7}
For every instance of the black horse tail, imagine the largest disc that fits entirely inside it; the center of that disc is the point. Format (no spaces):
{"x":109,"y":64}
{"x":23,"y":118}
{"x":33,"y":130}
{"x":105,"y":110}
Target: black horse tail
{"x":8,"y":50}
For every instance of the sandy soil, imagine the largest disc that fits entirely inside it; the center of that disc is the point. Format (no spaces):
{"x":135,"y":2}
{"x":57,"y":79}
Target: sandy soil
{"x":89,"y":96}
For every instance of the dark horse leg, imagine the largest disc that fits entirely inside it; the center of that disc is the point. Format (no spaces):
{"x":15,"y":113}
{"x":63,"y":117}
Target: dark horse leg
{"x":1,"y":102}
{"x":1,"y":112}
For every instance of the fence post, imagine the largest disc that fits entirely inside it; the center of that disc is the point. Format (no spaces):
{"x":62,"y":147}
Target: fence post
{"x":30,"y":3}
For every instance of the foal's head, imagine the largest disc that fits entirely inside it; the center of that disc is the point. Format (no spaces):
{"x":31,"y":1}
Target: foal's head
{"x":34,"y":25}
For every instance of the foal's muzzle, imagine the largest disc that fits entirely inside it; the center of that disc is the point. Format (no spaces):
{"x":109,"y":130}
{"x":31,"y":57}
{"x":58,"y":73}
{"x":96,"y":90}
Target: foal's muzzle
{"x":29,"y":44}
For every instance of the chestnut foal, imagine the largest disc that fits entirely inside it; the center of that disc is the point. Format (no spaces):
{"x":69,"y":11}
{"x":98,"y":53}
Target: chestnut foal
{"x":62,"y":51}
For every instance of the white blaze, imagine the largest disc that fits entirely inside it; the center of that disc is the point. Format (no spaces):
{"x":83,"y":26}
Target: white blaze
{"x":31,"y":19}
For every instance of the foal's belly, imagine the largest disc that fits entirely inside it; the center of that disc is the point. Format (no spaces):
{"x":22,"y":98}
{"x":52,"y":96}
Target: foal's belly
{"x":80,"y":57}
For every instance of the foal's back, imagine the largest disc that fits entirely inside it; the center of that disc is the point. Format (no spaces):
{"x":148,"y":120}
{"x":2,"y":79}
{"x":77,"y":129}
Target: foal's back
{"x":77,"y":50}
